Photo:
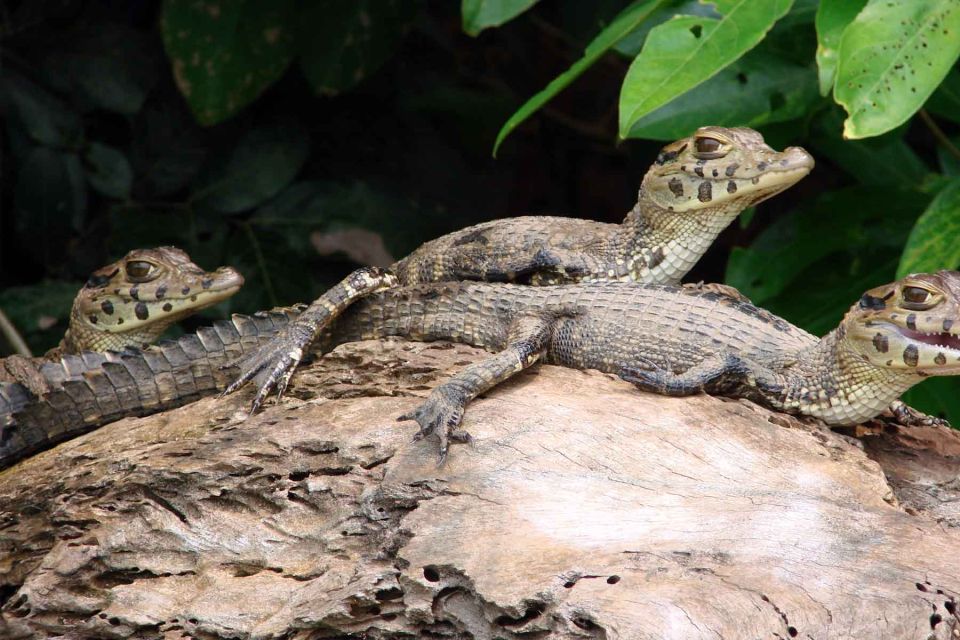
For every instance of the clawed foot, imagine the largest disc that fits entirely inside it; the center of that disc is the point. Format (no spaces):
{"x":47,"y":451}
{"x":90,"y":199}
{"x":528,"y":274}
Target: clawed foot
{"x":440,"y":414}
{"x":277,"y":360}
{"x":910,"y":417}
{"x":716,"y":287}
{"x":644,"y":374}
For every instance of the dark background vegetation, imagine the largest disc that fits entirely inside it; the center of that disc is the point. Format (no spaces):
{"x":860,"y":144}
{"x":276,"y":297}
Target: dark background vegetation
{"x":102,"y":154}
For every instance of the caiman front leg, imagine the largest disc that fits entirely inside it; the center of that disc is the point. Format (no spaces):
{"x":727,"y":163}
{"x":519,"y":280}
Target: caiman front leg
{"x":278,"y":359}
{"x":910,"y":417}
{"x":538,"y":265}
{"x":721,"y":374}
{"x":442,"y":412}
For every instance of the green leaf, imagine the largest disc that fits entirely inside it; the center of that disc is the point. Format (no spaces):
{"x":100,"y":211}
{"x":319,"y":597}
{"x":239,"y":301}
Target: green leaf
{"x":481,"y":14}
{"x":892,"y":57}
{"x":688,"y":50}
{"x":949,"y":161}
{"x":932,"y":244}
{"x":838,"y":223}
{"x":104,"y":65}
{"x":623,"y":24}
{"x":632,"y":43}
{"x":945,"y":101}
{"x":167,"y":151}
{"x":821,"y":294}
{"x":108,"y":171}
{"x":833,"y":16}
{"x":341,"y":42}
{"x":757,"y":89}
{"x":50,"y":200}
{"x":225,"y":54}
{"x":265,"y":161}
{"x":885,"y":161}
{"x":39,"y":114}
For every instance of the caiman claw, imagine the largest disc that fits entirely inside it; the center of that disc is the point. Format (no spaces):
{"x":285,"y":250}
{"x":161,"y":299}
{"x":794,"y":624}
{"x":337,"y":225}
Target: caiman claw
{"x":274,"y":363}
{"x":440,"y":414}
{"x":910,"y":417}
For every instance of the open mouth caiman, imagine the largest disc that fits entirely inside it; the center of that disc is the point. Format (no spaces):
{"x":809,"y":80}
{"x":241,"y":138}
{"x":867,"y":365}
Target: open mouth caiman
{"x":665,"y":339}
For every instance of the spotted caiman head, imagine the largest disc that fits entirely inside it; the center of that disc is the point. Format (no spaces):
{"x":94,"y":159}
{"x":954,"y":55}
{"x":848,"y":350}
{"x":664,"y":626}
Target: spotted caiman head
{"x":911,"y":325}
{"x":132,"y":301}
{"x":721,"y":171}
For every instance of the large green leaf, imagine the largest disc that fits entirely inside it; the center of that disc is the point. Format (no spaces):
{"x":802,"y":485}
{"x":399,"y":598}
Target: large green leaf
{"x":886,"y":161}
{"x":38,"y":113}
{"x":933,"y":242}
{"x":265,"y":161}
{"x":688,"y":50}
{"x":758,"y":89}
{"x":225,"y":54}
{"x":838,"y":222}
{"x":627,"y":21}
{"x":108,"y":170}
{"x":480,"y":14}
{"x":821,"y":294}
{"x":103,"y":65}
{"x":50,"y":201}
{"x":945,"y":101}
{"x":833,"y":16}
{"x":341,"y":42}
{"x":631,"y":44}
{"x":892,"y":57}
{"x":167,"y":150}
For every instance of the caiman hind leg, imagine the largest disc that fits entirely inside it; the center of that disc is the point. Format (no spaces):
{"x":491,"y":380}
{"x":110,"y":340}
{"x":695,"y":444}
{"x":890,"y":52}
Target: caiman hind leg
{"x":442,"y":412}
{"x":274,"y":363}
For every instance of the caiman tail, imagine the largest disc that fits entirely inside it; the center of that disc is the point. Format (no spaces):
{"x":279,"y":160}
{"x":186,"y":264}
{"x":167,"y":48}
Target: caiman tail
{"x":92,"y":389}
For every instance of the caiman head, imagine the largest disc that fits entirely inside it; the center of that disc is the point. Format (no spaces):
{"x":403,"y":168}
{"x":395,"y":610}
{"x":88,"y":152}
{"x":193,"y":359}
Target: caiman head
{"x":132,"y":301}
{"x":719,"y":172}
{"x":910,"y":326}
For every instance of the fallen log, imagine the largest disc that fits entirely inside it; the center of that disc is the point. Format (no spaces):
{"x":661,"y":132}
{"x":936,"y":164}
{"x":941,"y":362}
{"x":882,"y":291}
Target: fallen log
{"x":583,"y":509}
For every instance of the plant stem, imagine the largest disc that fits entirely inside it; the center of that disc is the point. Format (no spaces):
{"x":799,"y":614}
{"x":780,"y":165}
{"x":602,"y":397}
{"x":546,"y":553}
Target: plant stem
{"x":939,"y":134}
{"x":13,"y":336}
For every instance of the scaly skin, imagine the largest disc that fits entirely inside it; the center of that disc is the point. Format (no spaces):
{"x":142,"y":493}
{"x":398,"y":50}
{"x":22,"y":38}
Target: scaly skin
{"x":669,"y":340}
{"x":130,"y":303}
{"x":694,"y":189}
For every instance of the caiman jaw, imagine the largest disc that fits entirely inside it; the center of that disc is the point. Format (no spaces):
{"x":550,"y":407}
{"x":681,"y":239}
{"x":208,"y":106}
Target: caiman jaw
{"x":720,"y":171}
{"x":912,"y":325}
{"x":132,"y":301}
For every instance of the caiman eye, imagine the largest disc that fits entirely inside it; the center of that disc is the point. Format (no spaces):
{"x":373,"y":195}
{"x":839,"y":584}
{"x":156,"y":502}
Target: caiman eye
{"x":916,"y":298}
{"x":708,"y":148}
{"x":140,"y":271}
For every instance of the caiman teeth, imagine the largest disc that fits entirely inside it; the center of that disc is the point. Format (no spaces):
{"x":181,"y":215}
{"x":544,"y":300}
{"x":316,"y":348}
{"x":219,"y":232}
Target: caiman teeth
{"x":943,"y":340}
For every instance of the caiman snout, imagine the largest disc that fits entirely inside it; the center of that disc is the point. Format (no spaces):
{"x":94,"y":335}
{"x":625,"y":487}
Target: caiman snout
{"x":797,"y":158}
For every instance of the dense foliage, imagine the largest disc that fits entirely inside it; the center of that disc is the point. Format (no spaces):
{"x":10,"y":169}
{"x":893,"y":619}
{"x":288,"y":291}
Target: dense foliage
{"x":270,"y":135}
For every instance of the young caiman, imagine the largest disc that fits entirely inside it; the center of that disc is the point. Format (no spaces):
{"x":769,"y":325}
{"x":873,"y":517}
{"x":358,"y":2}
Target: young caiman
{"x":131,"y":302}
{"x":665,"y":339}
{"x":693,"y":190}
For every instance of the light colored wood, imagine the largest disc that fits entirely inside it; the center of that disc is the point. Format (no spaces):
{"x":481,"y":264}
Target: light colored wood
{"x":583,"y":509}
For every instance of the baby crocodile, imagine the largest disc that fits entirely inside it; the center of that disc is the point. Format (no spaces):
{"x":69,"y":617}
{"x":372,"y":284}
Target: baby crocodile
{"x":131,"y":302}
{"x":665,"y":339}
{"x":694,"y":189}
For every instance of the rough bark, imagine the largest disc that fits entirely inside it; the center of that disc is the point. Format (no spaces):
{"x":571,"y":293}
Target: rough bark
{"x":584,"y":508}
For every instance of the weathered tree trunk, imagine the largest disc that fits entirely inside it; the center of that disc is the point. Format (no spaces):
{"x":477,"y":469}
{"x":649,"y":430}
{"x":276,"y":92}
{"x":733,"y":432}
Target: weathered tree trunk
{"x":584,"y":508}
